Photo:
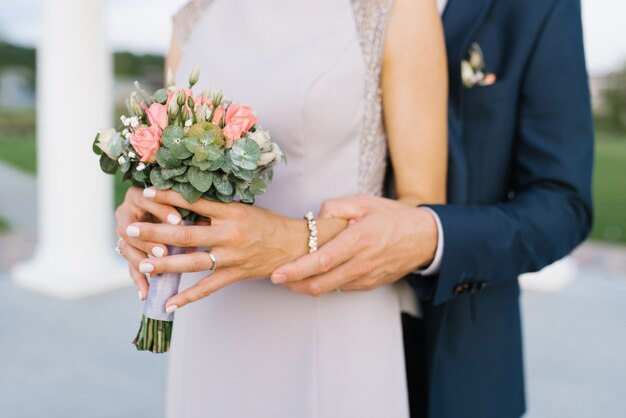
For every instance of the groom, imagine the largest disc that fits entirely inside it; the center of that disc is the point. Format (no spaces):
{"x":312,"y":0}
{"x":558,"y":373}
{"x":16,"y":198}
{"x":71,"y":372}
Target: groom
{"x":521,"y":152}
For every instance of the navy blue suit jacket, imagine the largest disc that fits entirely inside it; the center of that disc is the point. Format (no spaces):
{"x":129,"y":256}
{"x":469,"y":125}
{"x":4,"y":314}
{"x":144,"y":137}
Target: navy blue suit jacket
{"x":519,"y":194}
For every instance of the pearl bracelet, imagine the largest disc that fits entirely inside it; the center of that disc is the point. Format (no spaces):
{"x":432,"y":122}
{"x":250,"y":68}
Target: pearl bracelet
{"x":312,"y":225}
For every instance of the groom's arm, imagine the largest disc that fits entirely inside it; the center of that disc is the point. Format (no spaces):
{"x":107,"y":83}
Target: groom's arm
{"x":551,"y":211}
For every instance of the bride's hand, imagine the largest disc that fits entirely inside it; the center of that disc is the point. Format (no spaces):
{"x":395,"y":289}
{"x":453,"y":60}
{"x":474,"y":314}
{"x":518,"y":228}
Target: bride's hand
{"x":247,"y":242}
{"x":137,"y":209}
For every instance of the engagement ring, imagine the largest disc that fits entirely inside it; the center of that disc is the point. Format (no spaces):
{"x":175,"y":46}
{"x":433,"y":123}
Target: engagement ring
{"x":117,"y":247}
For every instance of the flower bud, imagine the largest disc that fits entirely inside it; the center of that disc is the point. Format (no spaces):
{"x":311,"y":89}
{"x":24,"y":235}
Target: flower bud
{"x":195,"y":75}
{"x":191,"y":103}
{"x":217,"y":99}
{"x":181,"y":98}
{"x":173,"y":109}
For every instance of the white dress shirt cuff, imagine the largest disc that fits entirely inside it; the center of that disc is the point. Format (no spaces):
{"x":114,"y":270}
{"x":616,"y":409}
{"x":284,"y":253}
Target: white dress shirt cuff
{"x":435,"y":266}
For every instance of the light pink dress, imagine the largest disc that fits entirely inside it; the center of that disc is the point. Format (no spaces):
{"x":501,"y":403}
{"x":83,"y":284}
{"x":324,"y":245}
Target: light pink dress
{"x":311,"y":71}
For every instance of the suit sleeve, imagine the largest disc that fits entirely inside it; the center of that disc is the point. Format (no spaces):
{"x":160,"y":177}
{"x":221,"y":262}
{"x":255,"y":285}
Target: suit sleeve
{"x":550,"y":210}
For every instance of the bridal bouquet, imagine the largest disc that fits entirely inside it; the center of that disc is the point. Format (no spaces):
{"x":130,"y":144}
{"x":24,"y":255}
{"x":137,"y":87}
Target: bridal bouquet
{"x":203,"y":147}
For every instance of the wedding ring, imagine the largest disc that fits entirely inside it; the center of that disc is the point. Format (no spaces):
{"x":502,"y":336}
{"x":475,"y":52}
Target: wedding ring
{"x":210,"y":253}
{"x":117,"y":247}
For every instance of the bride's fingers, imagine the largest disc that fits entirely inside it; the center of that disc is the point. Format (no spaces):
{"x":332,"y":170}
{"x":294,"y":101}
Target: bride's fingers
{"x":141,"y":283}
{"x":203,"y":207}
{"x":197,"y":261}
{"x":131,"y":254}
{"x":179,"y":235}
{"x":164,"y":213}
{"x":146,"y":247}
{"x":204,"y":288}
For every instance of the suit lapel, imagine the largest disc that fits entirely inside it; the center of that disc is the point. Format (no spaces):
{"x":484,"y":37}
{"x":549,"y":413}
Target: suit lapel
{"x":461,"y":21}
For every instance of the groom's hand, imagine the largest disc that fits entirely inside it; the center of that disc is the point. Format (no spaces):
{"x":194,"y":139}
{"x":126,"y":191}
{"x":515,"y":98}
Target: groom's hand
{"x":385,"y":241}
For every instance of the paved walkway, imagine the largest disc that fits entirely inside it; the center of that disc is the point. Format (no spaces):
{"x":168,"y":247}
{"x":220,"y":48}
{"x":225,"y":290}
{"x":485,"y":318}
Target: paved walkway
{"x":19,"y":198}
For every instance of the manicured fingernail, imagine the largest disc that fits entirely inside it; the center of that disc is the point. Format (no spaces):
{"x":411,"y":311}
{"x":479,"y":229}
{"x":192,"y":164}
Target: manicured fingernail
{"x":149,"y":193}
{"x":171,"y":309}
{"x":146,"y":267}
{"x":132,"y":231}
{"x":158,"y":251}
{"x":173,"y":219}
{"x":279,"y":279}
{"x":140,"y":295}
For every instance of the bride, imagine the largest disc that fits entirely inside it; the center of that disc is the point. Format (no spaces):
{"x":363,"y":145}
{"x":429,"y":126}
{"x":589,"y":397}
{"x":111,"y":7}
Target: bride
{"x":341,"y":85}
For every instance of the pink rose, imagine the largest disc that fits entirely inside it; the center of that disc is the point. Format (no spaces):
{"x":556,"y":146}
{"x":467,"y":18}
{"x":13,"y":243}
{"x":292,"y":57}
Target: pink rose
{"x":239,"y":120}
{"x":203,"y":100}
{"x":157,"y":115}
{"x":218,"y":114}
{"x":187,"y":92}
{"x":146,"y":142}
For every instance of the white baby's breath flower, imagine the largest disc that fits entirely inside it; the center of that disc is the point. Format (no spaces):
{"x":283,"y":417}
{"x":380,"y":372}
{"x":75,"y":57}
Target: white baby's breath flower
{"x":188,"y":123}
{"x":134,"y":121}
{"x":467,"y":74}
{"x":125,"y":121}
{"x":127,"y":136}
{"x":132,"y":155}
{"x":141,"y":167}
{"x":121,"y":160}
{"x":125,"y":131}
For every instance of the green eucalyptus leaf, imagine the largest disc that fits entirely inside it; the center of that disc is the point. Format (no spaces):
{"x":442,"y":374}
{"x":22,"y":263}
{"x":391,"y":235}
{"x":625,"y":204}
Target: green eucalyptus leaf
{"x":214,"y":152}
{"x":140,"y":176}
{"x":158,"y":181}
{"x":160,"y":96}
{"x":184,"y":178}
{"x":245,"y":153}
{"x":170,"y":173}
{"x":176,"y":187}
{"x":108,"y":165}
{"x":244,"y":174}
{"x":223,"y":185}
{"x":257,"y":186}
{"x":201,"y":154}
{"x":172,"y":134}
{"x":192,"y":144}
{"x":183,"y":212}
{"x":245,"y":196}
{"x":199,"y":179}
{"x":226,"y":198}
{"x":227,"y":165}
{"x":116,"y":145}
{"x":189,"y":193}
{"x":96,"y":149}
{"x":179,"y":150}
{"x":126,"y":166}
{"x":167,"y":160}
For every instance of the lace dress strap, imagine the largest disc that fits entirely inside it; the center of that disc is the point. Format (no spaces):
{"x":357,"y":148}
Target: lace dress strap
{"x":371,"y":18}
{"x":187,"y":18}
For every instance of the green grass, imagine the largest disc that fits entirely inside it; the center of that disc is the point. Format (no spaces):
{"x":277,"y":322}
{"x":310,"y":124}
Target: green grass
{"x":609,"y":180}
{"x":609,"y":189}
{"x":4,"y":225}
{"x":21,"y":152}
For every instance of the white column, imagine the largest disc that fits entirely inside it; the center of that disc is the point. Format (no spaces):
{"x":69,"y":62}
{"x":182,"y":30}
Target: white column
{"x":74,"y":255}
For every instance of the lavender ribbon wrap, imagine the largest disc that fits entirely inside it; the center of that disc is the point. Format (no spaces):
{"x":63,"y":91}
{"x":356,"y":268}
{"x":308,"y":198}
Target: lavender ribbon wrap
{"x":162,"y":288}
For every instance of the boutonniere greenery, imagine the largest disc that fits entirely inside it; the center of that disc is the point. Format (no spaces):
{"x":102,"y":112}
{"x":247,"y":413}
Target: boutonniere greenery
{"x":473,"y":69}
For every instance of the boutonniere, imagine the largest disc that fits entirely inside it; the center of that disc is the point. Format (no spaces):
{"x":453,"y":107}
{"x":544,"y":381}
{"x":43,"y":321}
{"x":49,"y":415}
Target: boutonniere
{"x":473,"y":69}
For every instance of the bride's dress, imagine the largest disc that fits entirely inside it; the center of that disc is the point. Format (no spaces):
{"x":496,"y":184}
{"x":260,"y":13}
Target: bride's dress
{"x":310,"y":69}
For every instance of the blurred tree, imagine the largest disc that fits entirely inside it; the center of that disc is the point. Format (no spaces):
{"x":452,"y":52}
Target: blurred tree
{"x":611,"y":114}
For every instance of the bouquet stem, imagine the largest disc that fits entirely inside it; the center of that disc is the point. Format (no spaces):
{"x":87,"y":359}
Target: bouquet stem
{"x":154,"y":335}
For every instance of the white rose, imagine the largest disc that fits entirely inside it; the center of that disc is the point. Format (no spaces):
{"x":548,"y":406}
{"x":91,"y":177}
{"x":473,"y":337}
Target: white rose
{"x":267,"y":158}
{"x":104,"y":141}
{"x":261,"y":137}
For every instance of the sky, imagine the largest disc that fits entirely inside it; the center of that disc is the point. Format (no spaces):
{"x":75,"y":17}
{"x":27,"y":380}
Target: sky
{"x":605,"y":31}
